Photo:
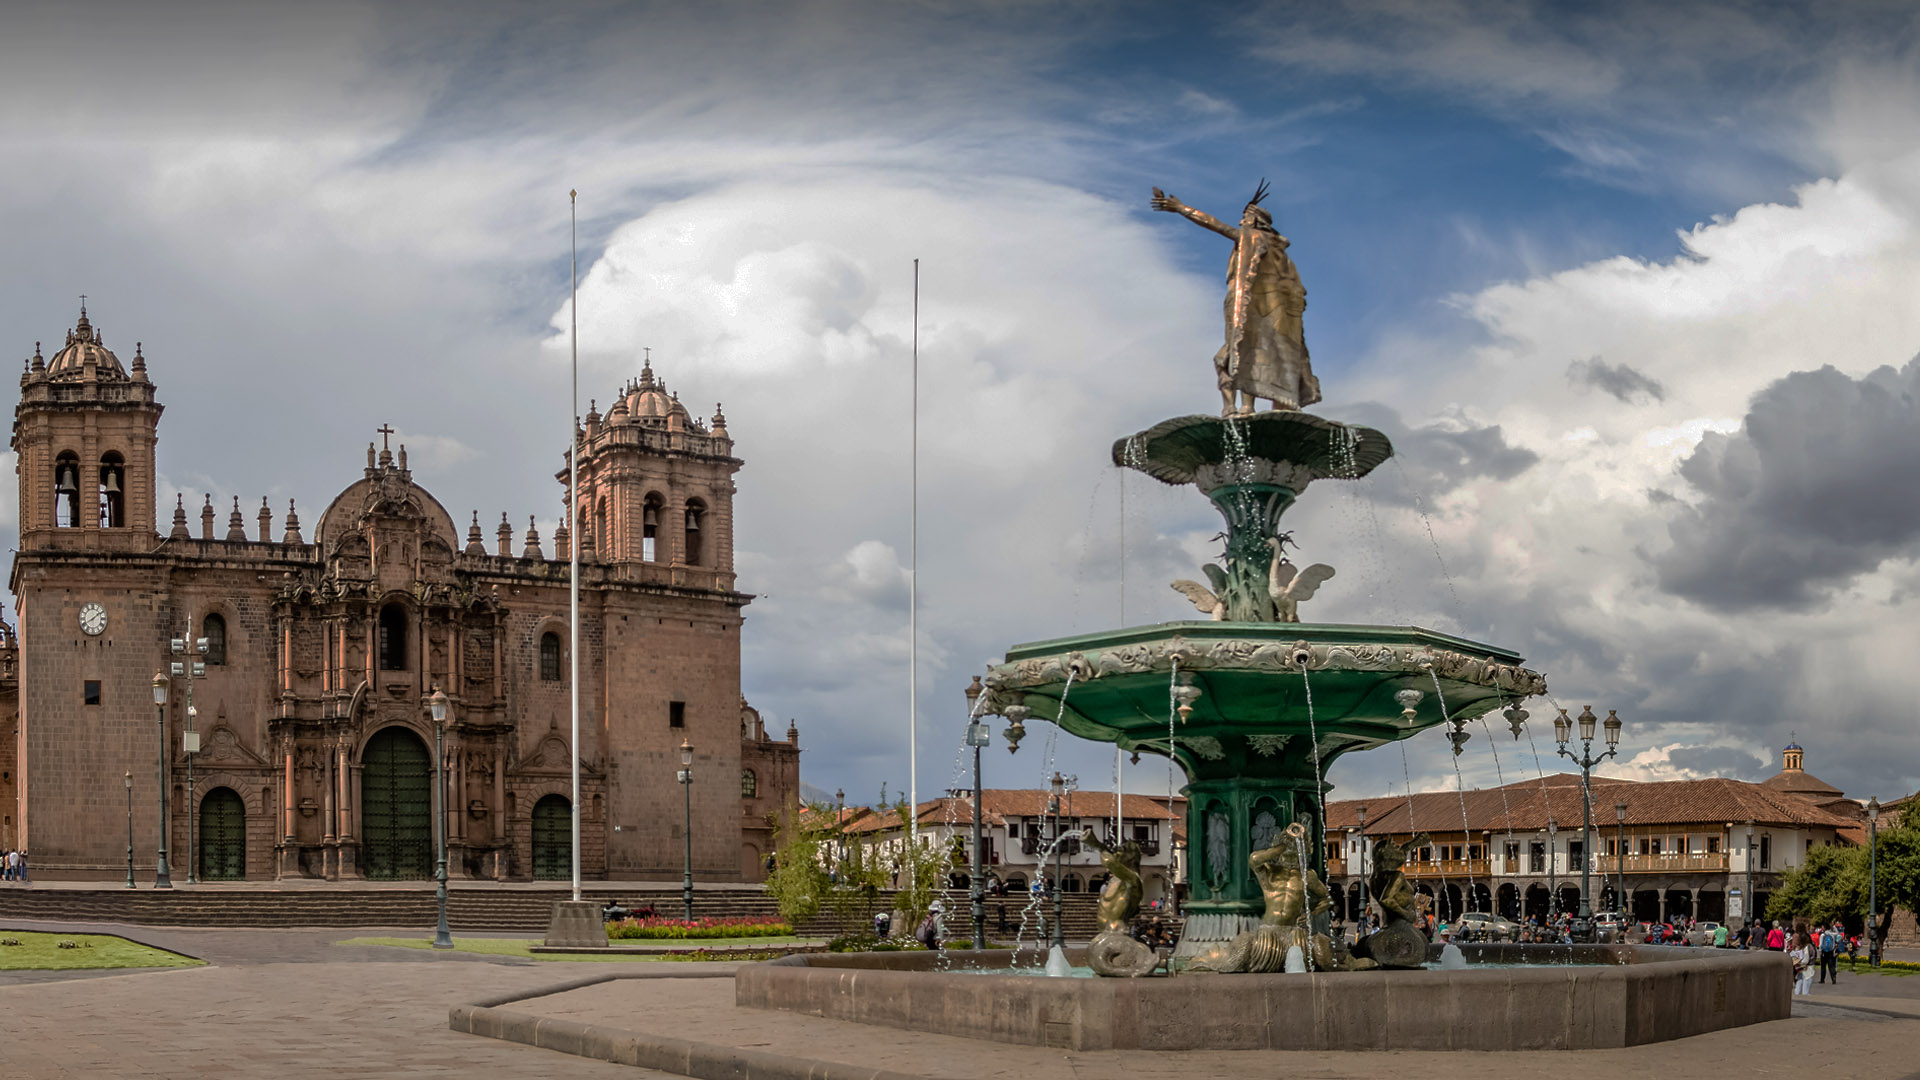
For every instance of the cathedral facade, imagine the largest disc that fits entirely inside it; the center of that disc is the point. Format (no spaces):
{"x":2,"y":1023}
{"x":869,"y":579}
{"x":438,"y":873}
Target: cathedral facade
{"x":304,"y":746}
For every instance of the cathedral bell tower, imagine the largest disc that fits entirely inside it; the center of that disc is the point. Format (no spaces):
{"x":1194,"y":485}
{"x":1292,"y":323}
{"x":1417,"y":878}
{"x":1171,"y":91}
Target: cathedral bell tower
{"x":656,"y":486}
{"x":83,"y":442}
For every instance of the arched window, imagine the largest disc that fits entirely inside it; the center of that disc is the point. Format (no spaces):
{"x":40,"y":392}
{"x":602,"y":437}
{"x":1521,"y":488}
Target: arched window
{"x":749,"y":784}
{"x":550,"y":656}
{"x":214,"y":629}
{"x":696,"y":530}
{"x":393,"y":638}
{"x":66,"y":490}
{"x":113,"y":490}
{"x":602,"y":540}
{"x":650,"y":528}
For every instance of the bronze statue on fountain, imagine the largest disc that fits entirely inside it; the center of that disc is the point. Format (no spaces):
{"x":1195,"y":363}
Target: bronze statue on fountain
{"x":1398,"y":943}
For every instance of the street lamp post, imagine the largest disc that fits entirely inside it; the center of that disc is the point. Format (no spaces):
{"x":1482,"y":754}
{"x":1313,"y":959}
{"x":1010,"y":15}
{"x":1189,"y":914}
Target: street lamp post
{"x":1747,"y":919}
{"x":1620,"y":863}
{"x":1553,"y":859}
{"x":162,"y":879}
{"x":437,"y":707}
{"x":1562,"y":728}
{"x":1058,"y":788}
{"x":1873,"y":882}
{"x":129,"y":780}
{"x":191,"y":668}
{"x":686,"y":788}
{"x":839,"y":826}
{"x":1360,"y":920}
{"x":978,"y":735}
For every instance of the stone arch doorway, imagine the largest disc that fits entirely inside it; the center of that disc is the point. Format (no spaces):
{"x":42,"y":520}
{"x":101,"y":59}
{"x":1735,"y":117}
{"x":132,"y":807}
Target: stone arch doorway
{"x":223,"y":836}
{"x":553,"y":839}
{"x":1509,"y":901}
{"x":396,"y":807}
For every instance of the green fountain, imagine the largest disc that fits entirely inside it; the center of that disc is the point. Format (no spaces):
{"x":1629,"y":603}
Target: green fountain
{"x":1255,"y":705}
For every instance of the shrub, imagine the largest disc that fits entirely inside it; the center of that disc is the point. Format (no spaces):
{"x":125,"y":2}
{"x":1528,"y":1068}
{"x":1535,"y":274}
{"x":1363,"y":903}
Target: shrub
{"x":870,"y":943}
{"x":676,"y":929}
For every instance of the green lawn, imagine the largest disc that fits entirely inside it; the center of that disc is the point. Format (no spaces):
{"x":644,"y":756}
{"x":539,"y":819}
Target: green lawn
{"x":521,"y":946}
{"x":1860,"y":967}
{"x":42,"y":952}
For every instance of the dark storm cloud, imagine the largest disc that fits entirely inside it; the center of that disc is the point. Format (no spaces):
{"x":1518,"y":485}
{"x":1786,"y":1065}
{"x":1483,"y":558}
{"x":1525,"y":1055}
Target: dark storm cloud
{"x":1718,"y":761}
{"x":1620,"y":380}
{"x":1439,"y":457}
{"x":1815,"y":488}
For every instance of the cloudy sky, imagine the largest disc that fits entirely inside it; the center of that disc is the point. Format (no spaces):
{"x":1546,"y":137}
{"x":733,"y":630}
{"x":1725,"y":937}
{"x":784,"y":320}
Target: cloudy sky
{"x":1633,"y":294}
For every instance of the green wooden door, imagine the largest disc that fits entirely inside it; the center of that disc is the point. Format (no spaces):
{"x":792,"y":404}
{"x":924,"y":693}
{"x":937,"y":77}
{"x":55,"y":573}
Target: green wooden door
{"x":553,"y":839}
{"x":223,"y":836}
{"x":396,"y":807}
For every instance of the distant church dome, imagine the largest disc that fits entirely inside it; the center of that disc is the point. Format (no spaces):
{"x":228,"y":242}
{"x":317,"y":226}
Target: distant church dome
{"x":82,"y":348}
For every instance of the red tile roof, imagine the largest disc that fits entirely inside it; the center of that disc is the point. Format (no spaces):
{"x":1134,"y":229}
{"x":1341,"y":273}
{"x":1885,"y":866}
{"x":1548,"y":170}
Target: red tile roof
{"x":1527,"y":805}
{"x":999,"y":804}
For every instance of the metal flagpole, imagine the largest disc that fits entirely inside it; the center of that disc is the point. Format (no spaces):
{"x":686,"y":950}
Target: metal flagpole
{"x":573,"y":526}
{"x":913,"y":596}
{"x":1118,"y":774}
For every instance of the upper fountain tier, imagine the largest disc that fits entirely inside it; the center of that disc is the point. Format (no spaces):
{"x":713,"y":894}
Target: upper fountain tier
{"x":1285,"y":449}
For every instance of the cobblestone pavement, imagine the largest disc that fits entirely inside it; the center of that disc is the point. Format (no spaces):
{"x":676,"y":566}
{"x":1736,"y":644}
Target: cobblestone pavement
{"x":291,"y":1004}
{"x":272,"y":1004}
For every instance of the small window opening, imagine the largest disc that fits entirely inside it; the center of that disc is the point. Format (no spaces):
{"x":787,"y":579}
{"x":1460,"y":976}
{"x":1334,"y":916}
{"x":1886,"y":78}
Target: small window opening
{"x":214,"y":629}
{"x":550,"y":657}
{"x":92,"y":691}
{"x":650,"y":529}
{"x":749,"y":784}
{"x":113,"y":493}
{"x":696,"y":521}
{"x":676,"y":714}
{"x":66,"y":490}
{"x":393,"y":638}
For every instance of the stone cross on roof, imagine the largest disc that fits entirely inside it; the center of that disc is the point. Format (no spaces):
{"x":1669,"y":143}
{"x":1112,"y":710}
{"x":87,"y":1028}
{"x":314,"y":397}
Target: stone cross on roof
{"x":384,"y":430}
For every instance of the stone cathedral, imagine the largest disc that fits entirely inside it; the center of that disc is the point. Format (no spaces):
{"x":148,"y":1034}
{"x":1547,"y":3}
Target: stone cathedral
{"x":321,"y":649}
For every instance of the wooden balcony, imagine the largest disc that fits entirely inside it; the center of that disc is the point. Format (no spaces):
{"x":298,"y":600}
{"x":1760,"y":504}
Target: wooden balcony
{"x":1336,"y":867}
{"x":1674,"y":863}
{"x":1449,"y":868}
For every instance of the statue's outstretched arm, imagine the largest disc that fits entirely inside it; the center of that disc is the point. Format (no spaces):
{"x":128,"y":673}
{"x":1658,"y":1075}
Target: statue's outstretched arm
{"x":1163,"y":201}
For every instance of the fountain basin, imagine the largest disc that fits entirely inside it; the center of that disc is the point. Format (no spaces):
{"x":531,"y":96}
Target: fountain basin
{"x":1273,"y":706}
{"x":1570,"y":998}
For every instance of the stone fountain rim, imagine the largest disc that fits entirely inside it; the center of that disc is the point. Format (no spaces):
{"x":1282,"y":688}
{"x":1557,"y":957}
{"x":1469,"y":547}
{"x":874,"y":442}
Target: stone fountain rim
{"x":1267,"y":633}
{"x":1180,"y":449}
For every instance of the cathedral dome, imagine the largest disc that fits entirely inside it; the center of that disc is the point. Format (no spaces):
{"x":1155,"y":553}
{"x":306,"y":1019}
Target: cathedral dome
{"x":83,"y":348}
{"x":648,"y":399}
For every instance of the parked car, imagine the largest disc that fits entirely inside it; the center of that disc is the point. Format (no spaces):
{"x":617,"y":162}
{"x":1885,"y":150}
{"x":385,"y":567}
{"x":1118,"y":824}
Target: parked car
{"x":1486,"y":926}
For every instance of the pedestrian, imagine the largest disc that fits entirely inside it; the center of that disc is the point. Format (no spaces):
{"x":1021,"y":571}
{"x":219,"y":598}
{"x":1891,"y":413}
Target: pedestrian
{"x":1720,"y":936}
{"x":1830,"y":955}
{"x":1776,"y":938}
{"x":1801,"y":952}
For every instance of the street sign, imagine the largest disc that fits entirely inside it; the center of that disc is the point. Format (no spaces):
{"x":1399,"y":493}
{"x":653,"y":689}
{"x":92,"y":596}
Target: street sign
{"x":1735,"y":902}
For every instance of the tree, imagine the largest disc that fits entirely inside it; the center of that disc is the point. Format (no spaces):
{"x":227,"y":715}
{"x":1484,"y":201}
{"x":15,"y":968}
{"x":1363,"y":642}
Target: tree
{"x":1830,"y":885}
{"x":920,"y":869}
{"x":799,"y":880}
{"x":1833,"y":881}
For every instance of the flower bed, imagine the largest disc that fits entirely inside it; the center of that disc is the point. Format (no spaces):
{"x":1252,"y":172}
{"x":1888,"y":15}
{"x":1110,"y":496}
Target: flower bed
{"x":674,"y":929}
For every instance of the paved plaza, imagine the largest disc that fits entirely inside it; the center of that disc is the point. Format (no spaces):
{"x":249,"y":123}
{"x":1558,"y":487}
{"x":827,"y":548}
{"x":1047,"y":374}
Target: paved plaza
{"x":293,"y":1004}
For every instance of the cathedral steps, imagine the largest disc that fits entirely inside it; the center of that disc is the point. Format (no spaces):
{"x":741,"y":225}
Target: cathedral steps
{"x":469,"y":910}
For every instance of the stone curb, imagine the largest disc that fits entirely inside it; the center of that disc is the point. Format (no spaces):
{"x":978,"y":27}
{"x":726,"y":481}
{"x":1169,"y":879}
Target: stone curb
{"x":682,"y":1057}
